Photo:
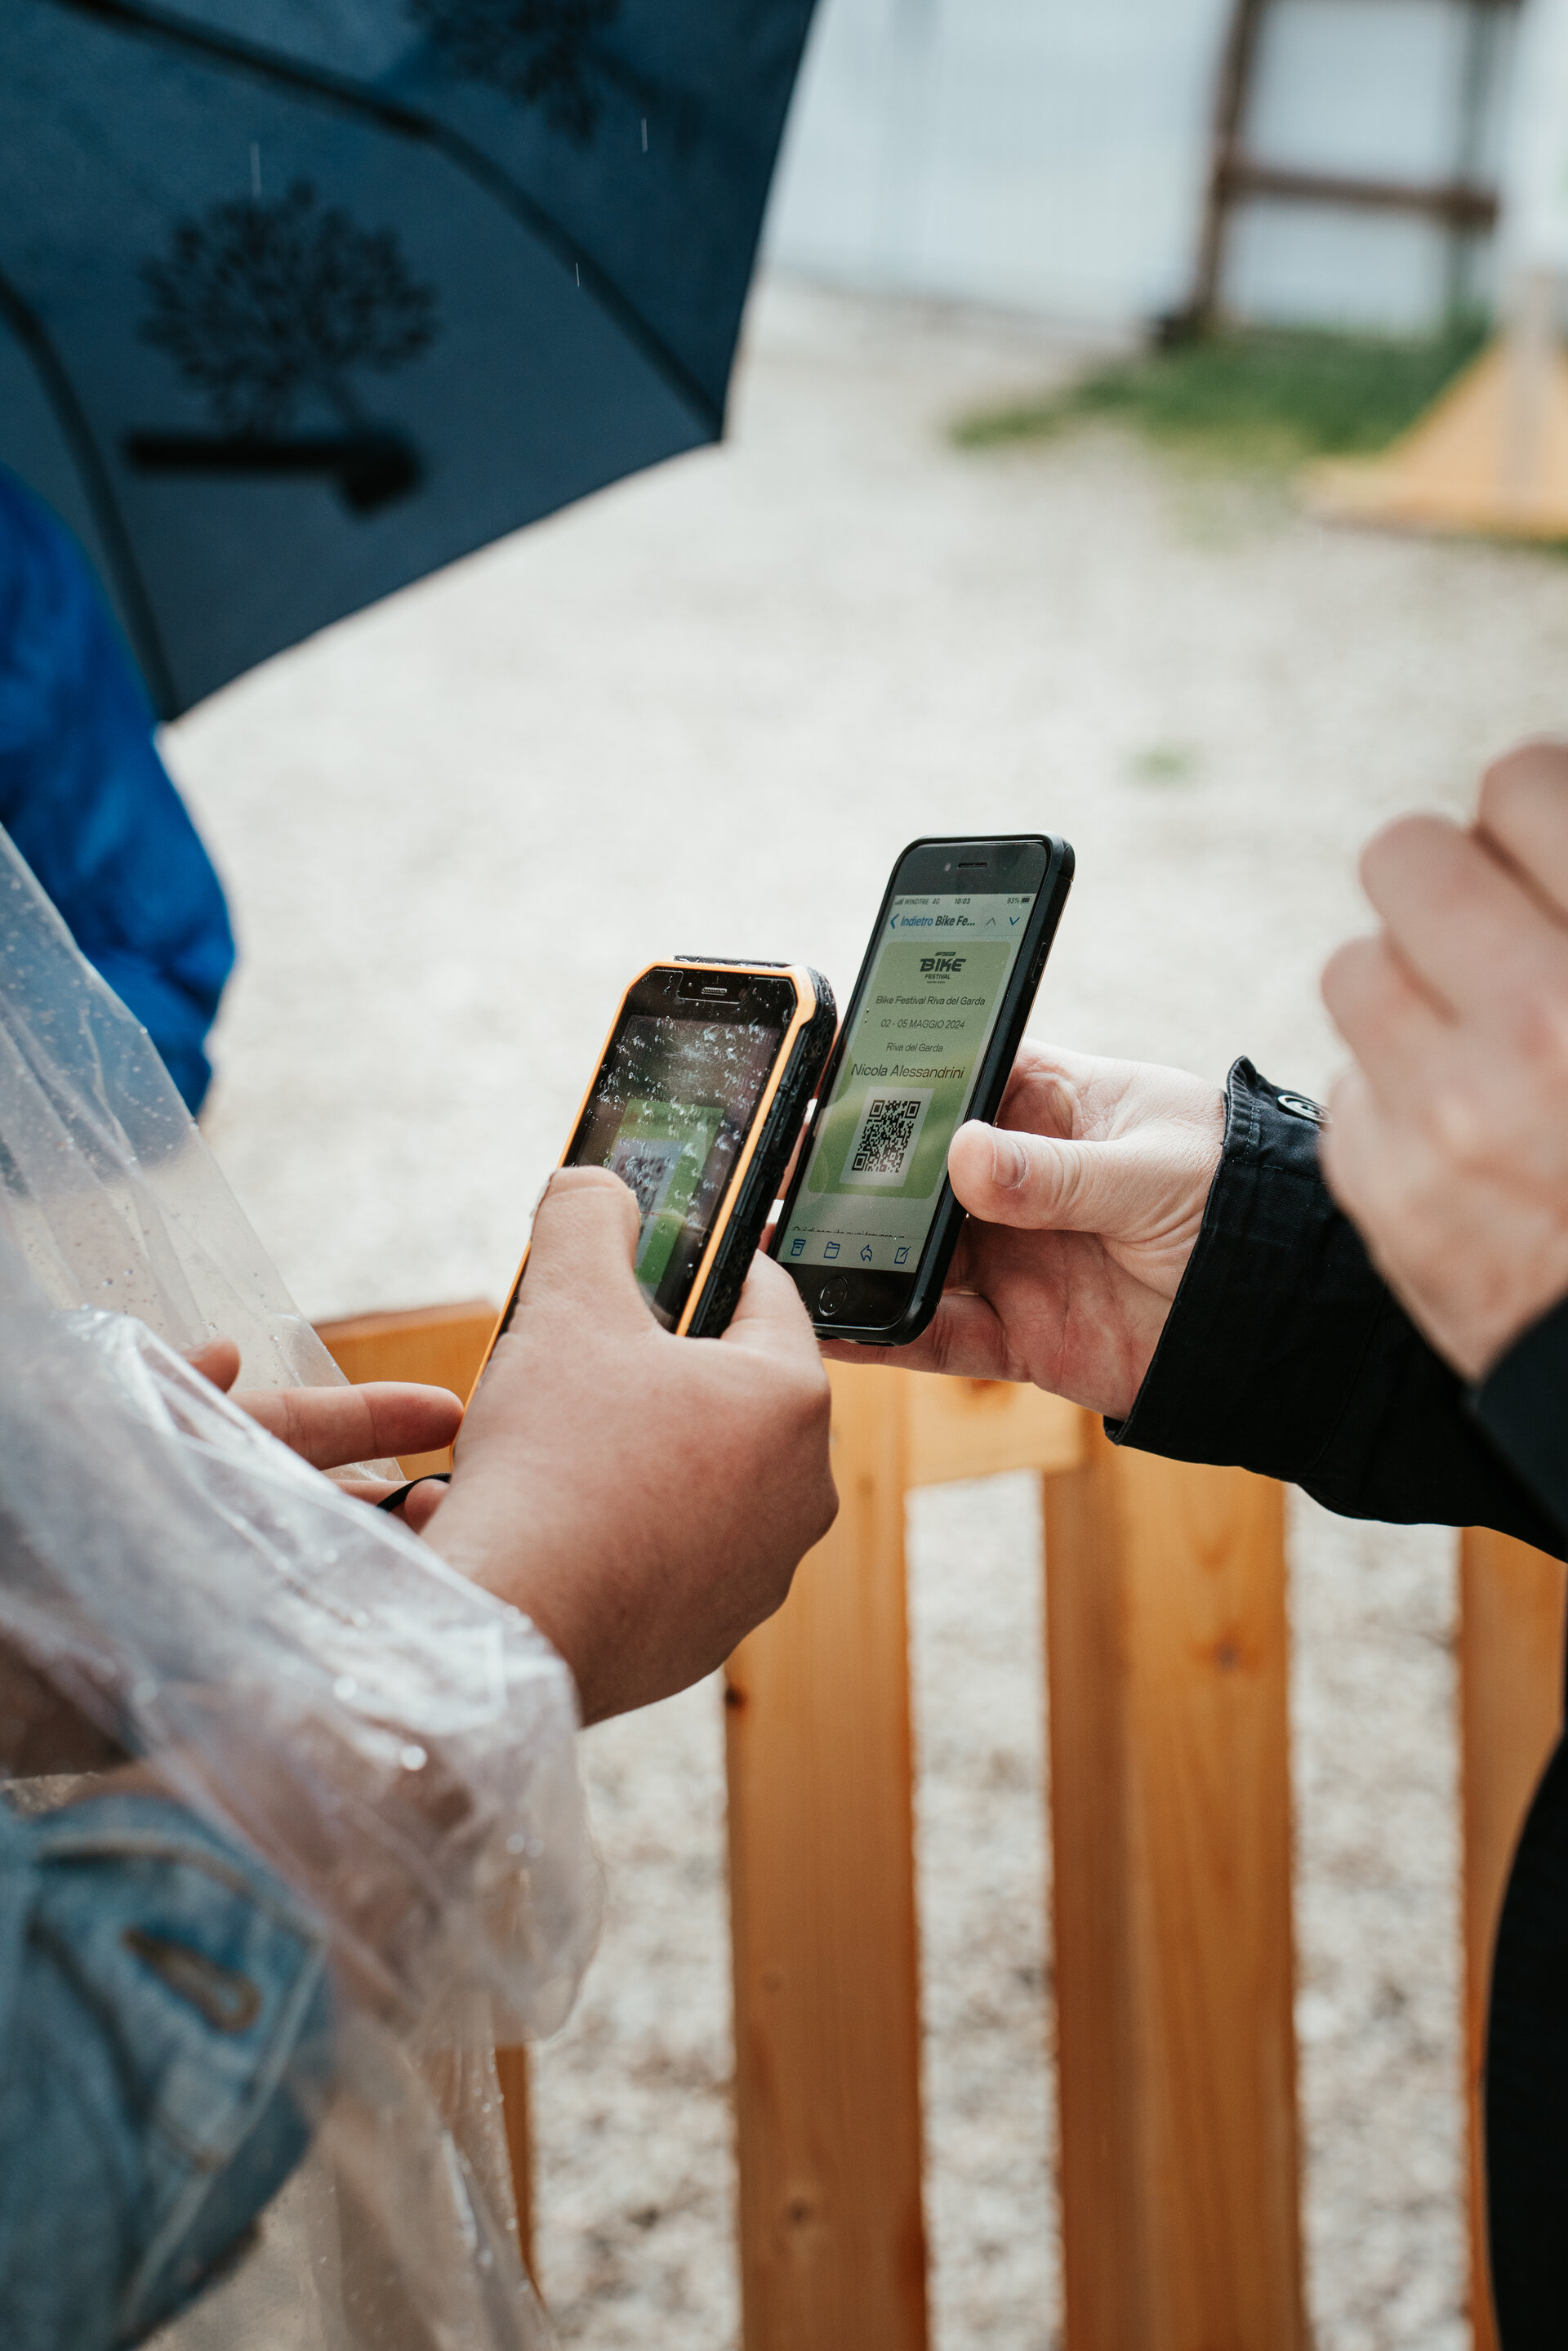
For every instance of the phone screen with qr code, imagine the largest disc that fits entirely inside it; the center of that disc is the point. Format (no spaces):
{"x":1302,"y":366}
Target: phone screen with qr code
{"x":927,"y":1009}
{"x":674,"y":1099}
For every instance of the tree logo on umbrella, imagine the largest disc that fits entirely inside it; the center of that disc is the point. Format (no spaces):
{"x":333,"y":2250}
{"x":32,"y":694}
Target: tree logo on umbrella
{"x":268,"y":307}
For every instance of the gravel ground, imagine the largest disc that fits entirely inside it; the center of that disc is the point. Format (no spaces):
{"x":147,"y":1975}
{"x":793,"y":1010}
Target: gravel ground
{"x":703,"y":711}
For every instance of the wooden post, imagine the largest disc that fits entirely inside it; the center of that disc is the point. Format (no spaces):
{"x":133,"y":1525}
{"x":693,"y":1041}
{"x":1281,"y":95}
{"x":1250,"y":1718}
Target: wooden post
{"x":1230,"y":112}
{"x":445,"y":1345}
{"x":821,"y":1885}
{"x":1171,"y":1824}
{"x":512,"y":2070}
{"x":1511,"y":1622}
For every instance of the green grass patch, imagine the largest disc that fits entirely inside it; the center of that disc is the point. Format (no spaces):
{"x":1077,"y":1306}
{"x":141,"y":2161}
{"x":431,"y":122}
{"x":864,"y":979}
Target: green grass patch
{"x":1264,"y":398}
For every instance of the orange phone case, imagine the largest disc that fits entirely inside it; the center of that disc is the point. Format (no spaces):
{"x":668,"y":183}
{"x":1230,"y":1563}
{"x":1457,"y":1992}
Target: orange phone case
{"x":802,"y":1054}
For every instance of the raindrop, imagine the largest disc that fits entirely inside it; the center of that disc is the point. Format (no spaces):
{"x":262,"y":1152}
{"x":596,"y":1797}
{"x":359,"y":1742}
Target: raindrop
{"x":644,"y":134}
{"x":345,"y":1687}
{"x":412,"y":1758}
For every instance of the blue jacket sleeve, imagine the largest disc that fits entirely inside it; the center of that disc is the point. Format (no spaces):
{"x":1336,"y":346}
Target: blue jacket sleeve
{"x":164,"y":2046}
{"x":87,"y":801}
{"x":1286,"y":1352}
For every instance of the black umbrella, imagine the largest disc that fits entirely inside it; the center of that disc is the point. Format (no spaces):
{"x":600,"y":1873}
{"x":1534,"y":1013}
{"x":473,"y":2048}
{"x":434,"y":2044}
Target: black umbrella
{"x":302,"y":298}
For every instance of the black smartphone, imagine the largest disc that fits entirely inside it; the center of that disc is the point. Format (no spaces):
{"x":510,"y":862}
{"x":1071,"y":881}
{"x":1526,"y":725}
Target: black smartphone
{"x":869,"y":1224}
{"x":696,"y":1103}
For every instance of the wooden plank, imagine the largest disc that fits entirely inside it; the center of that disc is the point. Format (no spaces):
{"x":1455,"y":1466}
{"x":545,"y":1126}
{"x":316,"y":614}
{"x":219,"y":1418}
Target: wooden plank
{"x":442,"y":1346}
{"x":1170,"y":1806}
{"x":822,"y":1890}
{"x":511,"y":2068}
{"x":1512,"y":1628}
{"x":1461,"y":203}
{"x":976,"y":1429}
{"x":1104,"y":2247}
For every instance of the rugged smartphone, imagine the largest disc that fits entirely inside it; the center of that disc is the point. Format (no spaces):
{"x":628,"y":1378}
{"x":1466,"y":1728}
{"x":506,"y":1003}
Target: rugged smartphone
{"x":698,"y":1096}
{"x":869,"y":1229}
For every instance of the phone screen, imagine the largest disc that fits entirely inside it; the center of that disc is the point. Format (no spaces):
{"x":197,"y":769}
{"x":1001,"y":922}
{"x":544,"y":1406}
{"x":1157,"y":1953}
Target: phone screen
{"x":675,"y":1096}
{"x":926,"y":1009}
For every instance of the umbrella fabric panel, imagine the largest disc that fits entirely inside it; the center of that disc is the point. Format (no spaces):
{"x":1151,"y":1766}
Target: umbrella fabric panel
{"x":518,"y":395}
{"x":646,"y":130}
{"x":36,"y":453}
{"x":290,"y":339}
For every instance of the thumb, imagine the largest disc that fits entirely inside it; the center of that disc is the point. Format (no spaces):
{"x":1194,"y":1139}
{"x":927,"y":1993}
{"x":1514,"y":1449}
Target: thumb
{"x":1006,"y":1178}
{"x":770,"y":1318}
{"x":583,"y":1249}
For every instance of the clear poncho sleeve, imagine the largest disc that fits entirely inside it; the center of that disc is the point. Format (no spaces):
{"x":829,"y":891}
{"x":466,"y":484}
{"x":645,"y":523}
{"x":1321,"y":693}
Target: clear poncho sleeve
{"x":300,"y":1672}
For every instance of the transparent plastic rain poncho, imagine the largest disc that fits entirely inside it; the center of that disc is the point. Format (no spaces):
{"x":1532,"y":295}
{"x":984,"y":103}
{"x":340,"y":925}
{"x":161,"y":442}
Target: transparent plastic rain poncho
{"x":394,"y":1742}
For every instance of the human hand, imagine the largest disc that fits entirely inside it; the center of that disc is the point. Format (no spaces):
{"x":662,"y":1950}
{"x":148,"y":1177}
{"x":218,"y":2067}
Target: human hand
{"x":43,"y":1729}
{"x":1084,"y":1201}
{"x":330,"y":1427}
{"x":644,"y":1499}
{"x":1448,"y":1143}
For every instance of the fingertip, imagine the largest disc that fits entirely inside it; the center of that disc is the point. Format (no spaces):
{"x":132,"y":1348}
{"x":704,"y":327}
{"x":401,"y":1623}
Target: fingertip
{"x":1540,"y":761}
{"x":1335,"y":973}
{"x":1404,"y":842}
{"x":767,"y":1290}
{"x":770,"y":1309}
{"x":983,"y":1163}
{"x":569,"y":1184}
{"x":580,"y":1200}
{"x":217,"y":1360}
{"x":583,"y":1179}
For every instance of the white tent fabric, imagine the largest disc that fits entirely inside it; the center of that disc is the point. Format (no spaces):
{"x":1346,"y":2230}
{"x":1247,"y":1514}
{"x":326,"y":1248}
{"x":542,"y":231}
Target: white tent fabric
{"x":1535,"y":172}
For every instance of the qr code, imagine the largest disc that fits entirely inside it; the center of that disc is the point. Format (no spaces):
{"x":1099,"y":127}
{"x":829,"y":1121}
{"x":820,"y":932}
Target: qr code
{"x":647,"y":1168}
{"x":884,"y":1142}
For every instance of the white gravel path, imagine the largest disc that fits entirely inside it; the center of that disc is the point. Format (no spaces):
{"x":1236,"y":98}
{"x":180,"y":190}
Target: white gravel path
{"x":704,"y":711}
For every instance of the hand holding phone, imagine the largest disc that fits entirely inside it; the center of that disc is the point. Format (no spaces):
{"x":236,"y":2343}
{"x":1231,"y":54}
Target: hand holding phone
{"x":696,"y":1103}
{"x":1085,"y":1198}
{"x":644,"y":1501}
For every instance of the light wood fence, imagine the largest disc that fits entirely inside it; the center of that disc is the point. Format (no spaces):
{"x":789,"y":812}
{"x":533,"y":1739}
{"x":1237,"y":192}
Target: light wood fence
{"x":1170,"y":1819}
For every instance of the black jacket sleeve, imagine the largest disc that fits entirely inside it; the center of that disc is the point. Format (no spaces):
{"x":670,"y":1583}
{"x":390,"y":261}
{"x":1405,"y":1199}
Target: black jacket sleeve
{"x":1285,"y":1352}
{"x":1522,"y":1405}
